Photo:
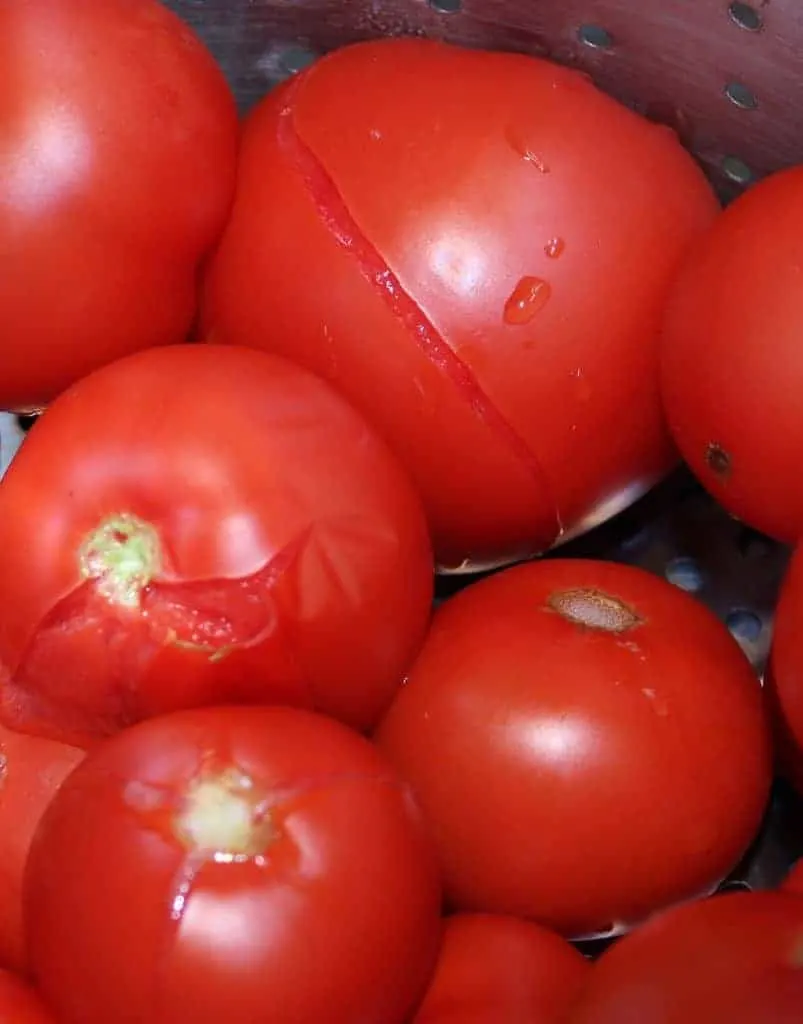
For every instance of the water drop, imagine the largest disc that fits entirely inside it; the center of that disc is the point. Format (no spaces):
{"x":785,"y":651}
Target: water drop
{"x":527,"y":299}
{"x":554,"y":248}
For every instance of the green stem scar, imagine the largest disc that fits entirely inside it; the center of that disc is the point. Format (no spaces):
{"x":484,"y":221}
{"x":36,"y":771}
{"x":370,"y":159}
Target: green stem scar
{"x":122,"y":556}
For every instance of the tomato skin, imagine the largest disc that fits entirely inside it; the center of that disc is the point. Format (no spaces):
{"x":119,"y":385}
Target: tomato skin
{"x":337,"y":918}
{"x":119,"y":136}
{"x":427,"y":227}
{"x":733,"y":958}
{"x":501,"y":970}
{"x":794,"y":879}
{"x":19,"y":1004}
{"x":538,"y":745}
{"x":31,"y":772}
{"x":731,"y":371}
{"x":784,"y":675}
{"x":295,"y":562}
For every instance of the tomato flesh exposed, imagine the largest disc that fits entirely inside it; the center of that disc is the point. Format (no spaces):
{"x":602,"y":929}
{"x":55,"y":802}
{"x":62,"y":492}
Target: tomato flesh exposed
{"x":427,"y":226}
{"x":259,"y":861}
{"x":588,"y":742}
{"x":233,"y":532}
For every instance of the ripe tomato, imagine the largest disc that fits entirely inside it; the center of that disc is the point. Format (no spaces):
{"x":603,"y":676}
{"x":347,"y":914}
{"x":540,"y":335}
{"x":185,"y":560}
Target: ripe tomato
{"x":474,"y":247}
{"x":197,"y":525}
{"x":735,"y":958}
{"x":118,"y":139}
{"x":588,"y":742}
{"x":784,"y":676}
{"x":500,"y":970}
{"x":794,"y":879}
{"x":31,"y":770}
{"x":258,"y":860}
{"x":19,"y":1004}
{"x":732,"y":368}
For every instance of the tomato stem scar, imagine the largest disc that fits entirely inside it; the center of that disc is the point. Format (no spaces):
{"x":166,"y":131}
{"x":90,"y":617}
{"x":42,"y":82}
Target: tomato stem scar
{"x":718,"y":460}
{"x":122,"y":555}
{"x":223,"y":816}
{"x":594,"y":609}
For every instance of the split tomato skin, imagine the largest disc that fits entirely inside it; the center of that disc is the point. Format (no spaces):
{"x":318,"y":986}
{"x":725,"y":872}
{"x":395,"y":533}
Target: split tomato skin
{"x":119,"y":141}
{"x":257,"y":860}
{"x":427,"y":227}
{"x":494,"y":969}
{"x":19,"y":1004}
{"x":734,"y":958}
{"x":588,"y":742}
{"x":203,"y":525}
{"x":31,"y":771}
{"x":731,"y":364}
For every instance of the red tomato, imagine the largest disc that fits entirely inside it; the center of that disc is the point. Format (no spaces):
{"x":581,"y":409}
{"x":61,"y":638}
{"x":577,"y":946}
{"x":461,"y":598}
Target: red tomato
{"x":794,"y":879}
{"x":733,"y":959}
{"x":732,"y":362}
{"x":784,"y":676}
{"x":198,"y":525}
{"x":588,"y":742}
{"x":259,"y":861}
{"x":501,"y":970}
{"x":19,"y":1004}
{"x":31,"y":770}
{"x":474,"y":247}
{"x":118,"y":137}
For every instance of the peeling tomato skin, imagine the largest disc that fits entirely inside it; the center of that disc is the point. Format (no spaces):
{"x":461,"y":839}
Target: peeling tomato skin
{"x":295,"y":563}
{"x":349,"y":883}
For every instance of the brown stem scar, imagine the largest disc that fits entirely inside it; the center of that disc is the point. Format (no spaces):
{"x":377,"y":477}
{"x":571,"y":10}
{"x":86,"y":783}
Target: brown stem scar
{"x":594,"y":609}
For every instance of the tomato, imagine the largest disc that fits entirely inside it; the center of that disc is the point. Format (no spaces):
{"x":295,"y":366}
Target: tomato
{"x":31,"y":771}
{"x":500,"y":970}
{"x":784,"y":675}
{"x":735,"y":958}
{"x":118,"y":139}
{"x":794,"y":879}
{"x":732,"y":369}
{"x":19,"y":1004}
{"x":588,"y":742}
{"x":475,"y":248}
{"x":258,"y":860}
{"x":197,"y":525}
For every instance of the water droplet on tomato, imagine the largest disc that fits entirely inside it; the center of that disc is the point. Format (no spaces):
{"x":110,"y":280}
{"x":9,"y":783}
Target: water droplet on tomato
{"x":554,"y":248}
{"x":527,"y":299}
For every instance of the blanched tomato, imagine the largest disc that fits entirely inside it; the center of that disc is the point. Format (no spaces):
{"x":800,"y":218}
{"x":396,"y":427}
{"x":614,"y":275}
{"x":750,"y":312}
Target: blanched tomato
{"x":238,"y":865}
{"x":501,"y":970}
{"x":118,"y":139}
{"x":588,"y":742}
{"x":198,"y":525}
{"x":475,"y":248}
{"x":19,"y":1004}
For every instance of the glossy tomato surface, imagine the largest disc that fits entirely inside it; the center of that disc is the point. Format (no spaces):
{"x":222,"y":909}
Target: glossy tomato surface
{"x":588,"y":742}
{"x":732,"y":364}
{"x":118,"y":138}
{"x":494,"y":969}
{"x":475,"y":247}
{"x":261,"y":863}
{"x":733,"y":959}
{"x":31,"y":771}
{"x":197,"y":525}
{"x":19,"y":1004}
{"x":784,"y":676}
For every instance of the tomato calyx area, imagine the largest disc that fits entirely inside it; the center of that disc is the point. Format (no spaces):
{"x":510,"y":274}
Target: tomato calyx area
{"x":594,"y":609}
{"x":122,"y":555}
{"x":718,"y":460}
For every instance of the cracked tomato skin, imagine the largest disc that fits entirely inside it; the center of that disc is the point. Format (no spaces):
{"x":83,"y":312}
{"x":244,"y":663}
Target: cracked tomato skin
{"x":332,"y":915}
{"x":19,"y":1004}
{"x":198,"y":525}
{"x":731,"y":360}
{"x":735,"y":958}
{"x":589,"y":743}
{"x":427,"y":226}
{"x":493,"y":969}
{"x":118,"y":135}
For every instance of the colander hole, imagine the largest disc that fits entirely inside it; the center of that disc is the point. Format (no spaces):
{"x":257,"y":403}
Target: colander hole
{"x":685,"y":573}
{"x":744,"y":625}
{"x":595,"y":36}
{"x":446,"y":6}
{"x":741,"y":96}
{"x":26,"y":422}
{"x":745,"y":16}
{"x":295,"y":59}
{"x":737,"y":170}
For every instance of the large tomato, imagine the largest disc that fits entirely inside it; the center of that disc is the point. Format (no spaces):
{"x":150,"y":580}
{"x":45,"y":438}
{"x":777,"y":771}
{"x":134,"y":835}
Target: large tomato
{"x":732,"y":363}
{"x":733,"y":959}
{"x":588,"y":742}
{"x":501,"y":970}
{"x":475,"y":247}
{"x":117,"y":159}
{"x":19,"y":1004}
{"x":238,"y":865}
{"x":784,"y":676}
{"x":196,"y":525}
{"x":31,"y":771}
